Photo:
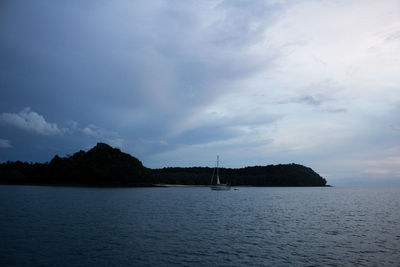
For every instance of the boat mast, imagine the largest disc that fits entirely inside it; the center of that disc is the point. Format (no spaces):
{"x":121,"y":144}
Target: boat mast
{"x":218,"y":182}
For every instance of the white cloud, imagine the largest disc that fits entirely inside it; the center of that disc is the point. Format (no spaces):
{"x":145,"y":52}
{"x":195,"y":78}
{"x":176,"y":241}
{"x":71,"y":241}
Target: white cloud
{"x":30,"y":121}
{"x":91,"y":130}
{"x":345,"y":42}
{"x":4,"y":143}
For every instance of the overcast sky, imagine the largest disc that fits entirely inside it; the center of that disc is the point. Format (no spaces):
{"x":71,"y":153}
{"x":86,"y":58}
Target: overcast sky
{"x":175,"y":83}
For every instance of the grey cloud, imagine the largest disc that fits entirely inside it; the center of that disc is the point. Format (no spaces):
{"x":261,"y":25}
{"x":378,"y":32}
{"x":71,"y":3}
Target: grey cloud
{"x":224,"y":128}
{"x":393,"y":36}
{"x":304,"y":99}
{"x":249,"y":119}
{"x":308,"y":99}
{"x":203,"y":135}
{"x":318,"y":102}
{"x":243,"y":21}
{"x":335,"y":110}
{"x":30,"y":121}
{"x":218,"y":128}
{"x":316,"y":94}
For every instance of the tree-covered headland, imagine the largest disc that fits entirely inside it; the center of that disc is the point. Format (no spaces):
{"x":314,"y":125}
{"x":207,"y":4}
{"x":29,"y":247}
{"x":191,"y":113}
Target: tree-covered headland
{"x":106,"y":166}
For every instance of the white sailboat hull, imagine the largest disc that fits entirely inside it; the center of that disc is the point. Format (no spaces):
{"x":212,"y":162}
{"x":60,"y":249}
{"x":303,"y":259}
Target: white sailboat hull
{"x":221,"y":187}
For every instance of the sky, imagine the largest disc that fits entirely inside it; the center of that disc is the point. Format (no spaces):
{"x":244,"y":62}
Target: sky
{"x":175,"y":83}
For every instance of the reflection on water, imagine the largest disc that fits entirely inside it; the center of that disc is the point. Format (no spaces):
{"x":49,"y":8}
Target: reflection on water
{"x":199,"y":227}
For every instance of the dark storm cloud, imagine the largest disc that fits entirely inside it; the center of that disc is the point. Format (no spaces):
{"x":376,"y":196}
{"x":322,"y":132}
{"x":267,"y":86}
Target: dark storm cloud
{"x":137,"y":68}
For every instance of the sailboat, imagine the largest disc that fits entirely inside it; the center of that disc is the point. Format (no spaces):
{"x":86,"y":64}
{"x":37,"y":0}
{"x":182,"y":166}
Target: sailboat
{"x":218,"y":185}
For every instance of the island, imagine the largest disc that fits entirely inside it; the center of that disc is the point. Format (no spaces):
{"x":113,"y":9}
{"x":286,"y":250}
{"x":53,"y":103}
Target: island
{"x":104,"y":165}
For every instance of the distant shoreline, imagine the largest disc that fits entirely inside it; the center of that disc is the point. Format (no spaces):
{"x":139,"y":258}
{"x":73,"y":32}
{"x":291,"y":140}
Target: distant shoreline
{"x":179,"y":185}
{"x":104,"y":166}
{"x":189,"y":185}
{"x":141,"y":186}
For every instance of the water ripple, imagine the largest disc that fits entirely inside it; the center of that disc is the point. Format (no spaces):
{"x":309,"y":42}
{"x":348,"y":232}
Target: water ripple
{"x":50,"y":226}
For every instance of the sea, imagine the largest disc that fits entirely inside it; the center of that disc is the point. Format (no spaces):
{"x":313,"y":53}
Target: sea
{"x":246,"y":226}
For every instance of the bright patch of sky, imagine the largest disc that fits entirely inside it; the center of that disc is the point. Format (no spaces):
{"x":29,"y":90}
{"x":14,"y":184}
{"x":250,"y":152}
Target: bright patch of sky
{"x":175,"y":83}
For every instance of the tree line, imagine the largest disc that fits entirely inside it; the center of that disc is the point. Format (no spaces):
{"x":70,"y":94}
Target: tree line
{"x":106,"y":166}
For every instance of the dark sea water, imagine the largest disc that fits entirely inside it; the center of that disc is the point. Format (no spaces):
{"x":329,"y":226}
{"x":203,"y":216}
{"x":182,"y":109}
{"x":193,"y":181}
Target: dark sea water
{"x":70,"y":226}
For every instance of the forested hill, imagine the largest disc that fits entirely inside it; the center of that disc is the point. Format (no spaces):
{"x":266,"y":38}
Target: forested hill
{"x":271,"y":175}
{"x":100,"y":166}
{"x":106,"y":166}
